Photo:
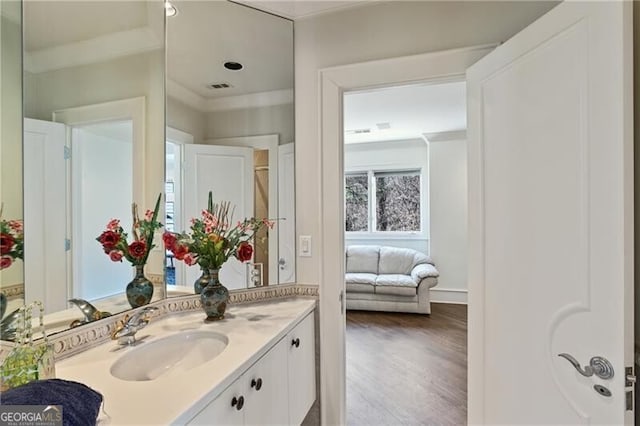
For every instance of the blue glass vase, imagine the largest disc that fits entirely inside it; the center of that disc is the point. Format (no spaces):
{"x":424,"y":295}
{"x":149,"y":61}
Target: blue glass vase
{"x":140,"y":290}
{"x":214,"y":298}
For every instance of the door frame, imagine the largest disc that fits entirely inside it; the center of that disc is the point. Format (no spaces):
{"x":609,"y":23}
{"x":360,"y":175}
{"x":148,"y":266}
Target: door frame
{"x":433,"y":67}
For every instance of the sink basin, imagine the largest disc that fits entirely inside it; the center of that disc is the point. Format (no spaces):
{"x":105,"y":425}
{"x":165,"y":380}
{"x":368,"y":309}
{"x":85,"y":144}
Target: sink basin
{"x":170,"y":355}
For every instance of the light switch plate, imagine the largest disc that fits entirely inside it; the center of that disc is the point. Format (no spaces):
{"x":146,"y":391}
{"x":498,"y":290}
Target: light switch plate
{"x":304,"y":248}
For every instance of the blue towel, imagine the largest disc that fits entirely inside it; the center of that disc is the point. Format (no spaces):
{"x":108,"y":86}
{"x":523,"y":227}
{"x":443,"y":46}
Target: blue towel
{"x":80,"y":403}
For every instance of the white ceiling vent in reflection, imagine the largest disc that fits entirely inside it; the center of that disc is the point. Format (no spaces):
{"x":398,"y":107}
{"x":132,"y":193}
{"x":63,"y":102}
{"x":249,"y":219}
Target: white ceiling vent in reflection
{"x":215,"y":86}
{"x":383,"y":126}
{"x":357,"y":131}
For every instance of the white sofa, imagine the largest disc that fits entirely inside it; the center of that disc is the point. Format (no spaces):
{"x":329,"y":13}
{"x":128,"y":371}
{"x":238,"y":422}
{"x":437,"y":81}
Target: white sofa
{"x":380,"y":278}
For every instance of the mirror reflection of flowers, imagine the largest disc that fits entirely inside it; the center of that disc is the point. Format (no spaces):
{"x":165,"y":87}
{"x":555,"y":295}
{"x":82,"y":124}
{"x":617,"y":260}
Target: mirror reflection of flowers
{"x":114,"y":239}
{"x":213,"y":240}
{"x":11,"y":241}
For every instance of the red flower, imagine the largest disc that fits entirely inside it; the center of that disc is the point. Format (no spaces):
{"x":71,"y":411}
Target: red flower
{"x":138,"y":249}
{"x":169,"y":241}
{"x":189,"y":259}
{"x":6,"y":243}
{"x":115,"y":255}
{"x":179,"y":251}
{"x":109,"y":239}
{"x":5,"y":262}
{"x":245,"y":252}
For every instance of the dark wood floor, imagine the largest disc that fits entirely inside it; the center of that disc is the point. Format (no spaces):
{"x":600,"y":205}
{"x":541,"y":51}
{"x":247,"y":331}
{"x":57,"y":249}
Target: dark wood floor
{"x":407,"y":369}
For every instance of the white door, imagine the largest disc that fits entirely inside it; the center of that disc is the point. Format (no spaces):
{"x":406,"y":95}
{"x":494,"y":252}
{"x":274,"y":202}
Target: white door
{"x":228,"y":172}
{"x":95,"y":149}
{"x":45,"y":214}
{"x":551,"y":219}
{"x":286,"y":225}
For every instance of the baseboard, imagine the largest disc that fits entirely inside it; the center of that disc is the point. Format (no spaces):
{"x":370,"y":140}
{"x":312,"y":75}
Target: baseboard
{"x":448,"y":295}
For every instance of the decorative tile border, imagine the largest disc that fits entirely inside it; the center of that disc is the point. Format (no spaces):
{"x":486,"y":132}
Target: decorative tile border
{"x":13,"y":291}
{"x":73,"y":341}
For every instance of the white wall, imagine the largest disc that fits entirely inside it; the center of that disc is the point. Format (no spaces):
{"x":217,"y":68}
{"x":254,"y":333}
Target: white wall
{"x":377,"y":31}
{"x":392,"y":155}
{"x":187,"y":119}
{"x":448,"y":202}
{"x":269,"y":120}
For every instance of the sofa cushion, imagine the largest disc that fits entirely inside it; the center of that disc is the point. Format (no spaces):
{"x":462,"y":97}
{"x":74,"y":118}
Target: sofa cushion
{"x":360,"y":278}
{"x":363,"y":259}
{"x":395,"y":260}
{"x":360,"y":288}
{"x":396,"y":284}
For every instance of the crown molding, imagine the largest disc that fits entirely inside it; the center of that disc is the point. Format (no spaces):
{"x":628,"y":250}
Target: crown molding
{"x":98,"y":49}
{"x":453,"y":135}
{"x":253,"y":100}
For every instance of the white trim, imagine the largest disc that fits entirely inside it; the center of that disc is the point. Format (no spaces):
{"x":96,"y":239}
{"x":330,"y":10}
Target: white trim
{"x":448,"y":295}
{"x":178,"y":136}
{"x":436,"y":66}
{"x":454,"y":135}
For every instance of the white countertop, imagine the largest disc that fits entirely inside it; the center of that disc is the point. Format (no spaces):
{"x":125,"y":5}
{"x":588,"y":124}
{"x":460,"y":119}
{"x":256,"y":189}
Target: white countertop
{"x":251,"y":329}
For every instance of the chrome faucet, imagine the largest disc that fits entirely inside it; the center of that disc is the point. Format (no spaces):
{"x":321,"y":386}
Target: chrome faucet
{"x":126,"y":331}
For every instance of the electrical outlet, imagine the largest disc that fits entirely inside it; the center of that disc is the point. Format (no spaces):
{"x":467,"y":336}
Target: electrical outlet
{"x":304,"y":249}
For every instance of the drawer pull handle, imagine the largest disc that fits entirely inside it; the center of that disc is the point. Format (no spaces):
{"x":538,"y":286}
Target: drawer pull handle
{"x":256,"y":383}
{"x":295,"y":342}
{"x":238,"y":402}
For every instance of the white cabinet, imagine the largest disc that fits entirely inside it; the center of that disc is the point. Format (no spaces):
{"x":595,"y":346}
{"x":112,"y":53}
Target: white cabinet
{"x":278,"y":389}
{"x":301,"y":369}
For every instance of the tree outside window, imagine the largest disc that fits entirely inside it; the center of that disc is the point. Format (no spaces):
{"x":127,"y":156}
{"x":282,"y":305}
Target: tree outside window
{"x":383,"y":201}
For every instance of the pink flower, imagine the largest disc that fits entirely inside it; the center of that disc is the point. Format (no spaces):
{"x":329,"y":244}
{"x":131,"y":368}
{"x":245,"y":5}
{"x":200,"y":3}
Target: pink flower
{"x":16,"y":225}
{"x":208,"y":229}
{"x":189,"y":259}
{"x":148,"y":215}
{"x":5,"y":262}
{"x":269,"y":223}
{"x":113,"y":224}
{"x":116,"y":255}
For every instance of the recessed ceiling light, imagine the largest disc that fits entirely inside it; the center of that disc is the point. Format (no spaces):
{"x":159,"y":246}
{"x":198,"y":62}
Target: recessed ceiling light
{"x":233,"y":66}
{"x":169,"y":9}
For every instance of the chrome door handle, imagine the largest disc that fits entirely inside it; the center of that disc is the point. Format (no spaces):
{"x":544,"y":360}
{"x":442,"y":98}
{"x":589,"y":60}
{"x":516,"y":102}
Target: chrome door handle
{"x":598,"y":365}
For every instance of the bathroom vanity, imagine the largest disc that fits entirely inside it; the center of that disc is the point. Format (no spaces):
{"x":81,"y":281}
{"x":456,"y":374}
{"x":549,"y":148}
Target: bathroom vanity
{"x":257,"y":366}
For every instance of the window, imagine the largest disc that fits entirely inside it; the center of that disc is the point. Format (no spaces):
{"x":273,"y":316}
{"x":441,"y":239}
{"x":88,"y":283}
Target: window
{"x":383,"y":201}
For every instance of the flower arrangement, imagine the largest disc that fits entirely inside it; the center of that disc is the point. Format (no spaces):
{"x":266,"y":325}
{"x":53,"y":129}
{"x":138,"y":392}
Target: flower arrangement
{"x":114,"y":239}
{"x":11,"y":241}
{"x":213,"y":240}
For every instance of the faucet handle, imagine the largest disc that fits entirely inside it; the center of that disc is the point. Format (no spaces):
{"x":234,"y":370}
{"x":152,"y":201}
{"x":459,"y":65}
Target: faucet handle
{"x":119,"y":326}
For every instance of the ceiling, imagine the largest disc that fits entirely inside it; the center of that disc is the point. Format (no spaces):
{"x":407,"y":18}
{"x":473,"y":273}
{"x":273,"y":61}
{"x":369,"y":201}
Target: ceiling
{"x":298,"y":9}
{"x":409,"y":112}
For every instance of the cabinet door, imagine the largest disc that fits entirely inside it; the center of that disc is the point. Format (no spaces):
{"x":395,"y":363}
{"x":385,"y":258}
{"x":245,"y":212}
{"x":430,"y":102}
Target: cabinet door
{"x":228,"y":409}
{"x":266,"y":388}
{"x":302,"y":371}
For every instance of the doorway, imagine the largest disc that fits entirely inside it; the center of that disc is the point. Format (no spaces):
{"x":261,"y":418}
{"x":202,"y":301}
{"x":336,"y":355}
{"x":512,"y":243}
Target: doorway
{"x":405,"y":192}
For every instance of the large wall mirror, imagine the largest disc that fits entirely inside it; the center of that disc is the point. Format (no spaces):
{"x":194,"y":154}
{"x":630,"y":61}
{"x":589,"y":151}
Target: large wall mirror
{"x":230,"y":129}
{"x":92,"y":132}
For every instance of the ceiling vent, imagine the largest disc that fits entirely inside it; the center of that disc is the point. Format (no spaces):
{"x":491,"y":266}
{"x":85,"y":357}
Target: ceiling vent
{"x":215,"y":86}
{"x":383,"y":126}
{"x":357,"y":131}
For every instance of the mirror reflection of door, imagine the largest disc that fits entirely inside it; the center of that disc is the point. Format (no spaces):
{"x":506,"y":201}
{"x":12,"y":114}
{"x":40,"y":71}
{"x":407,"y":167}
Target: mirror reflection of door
{"x":227,"y":171}
{"x":94,"y":168}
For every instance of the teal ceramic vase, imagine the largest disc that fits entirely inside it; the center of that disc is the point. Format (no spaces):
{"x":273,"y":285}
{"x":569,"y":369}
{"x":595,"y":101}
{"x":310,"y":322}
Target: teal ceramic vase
{"x":140,"y":290}
{"x":202,"y":281}
{"x":214,"y":298}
